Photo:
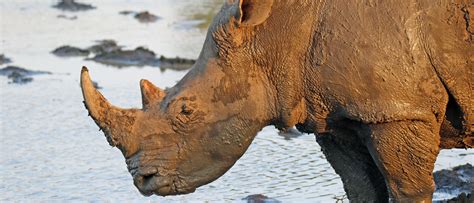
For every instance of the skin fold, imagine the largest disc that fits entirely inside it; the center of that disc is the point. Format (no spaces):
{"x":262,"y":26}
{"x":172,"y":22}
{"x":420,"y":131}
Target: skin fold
{"x":384,"y":85}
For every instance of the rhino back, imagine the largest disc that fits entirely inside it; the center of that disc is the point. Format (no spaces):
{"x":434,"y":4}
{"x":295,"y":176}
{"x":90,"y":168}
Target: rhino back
{"x":369,"y":62}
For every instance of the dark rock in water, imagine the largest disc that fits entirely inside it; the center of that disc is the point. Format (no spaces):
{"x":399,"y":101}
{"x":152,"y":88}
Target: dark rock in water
{"x":138,"y":57}
{"x":4,"y":59}
{"x":18,"y":78}
{"x":461,"y":198}
{"x":290,"y":133}
{"x":67,"y":17}
{"x":20,"y":75}
{"x":71,"y":5}
{"x":259,"y":198}
{"x":69,"y":51}
{"x":146,"y":17}
{"x":459,"y":179}
{"x":104,"y":46}
{"x":126,"y":12}
{"x":176,"y":63}
{"x":96,"y":85}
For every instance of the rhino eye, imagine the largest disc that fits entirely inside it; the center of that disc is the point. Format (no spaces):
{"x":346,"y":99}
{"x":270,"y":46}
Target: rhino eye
{"x":186,"y":110}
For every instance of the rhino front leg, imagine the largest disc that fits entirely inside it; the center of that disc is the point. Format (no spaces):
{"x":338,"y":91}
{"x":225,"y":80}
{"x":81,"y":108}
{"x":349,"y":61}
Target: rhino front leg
{"x":405,"y":152}
{"x":362,"y":180}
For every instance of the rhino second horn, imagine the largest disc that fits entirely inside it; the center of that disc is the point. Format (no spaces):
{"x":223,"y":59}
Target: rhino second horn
{"x":117,"y":123}
{"x":150,"y":94}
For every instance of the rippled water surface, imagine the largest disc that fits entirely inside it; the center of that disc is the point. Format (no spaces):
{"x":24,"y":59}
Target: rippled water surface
{"x":51,"y":150}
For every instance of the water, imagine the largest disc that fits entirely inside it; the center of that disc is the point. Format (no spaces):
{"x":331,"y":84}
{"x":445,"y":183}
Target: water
{"x":51,"y":150}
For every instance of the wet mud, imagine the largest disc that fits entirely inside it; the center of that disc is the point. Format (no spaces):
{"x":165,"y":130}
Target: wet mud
{"x":4,"y":59}
{"x":73,"y":6}
{"x":18,"y":75}
{"x":259,"y":198}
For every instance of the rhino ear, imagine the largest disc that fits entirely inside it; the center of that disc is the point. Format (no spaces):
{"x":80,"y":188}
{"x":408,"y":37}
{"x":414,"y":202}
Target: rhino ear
{"x":150,"y":93}
{"x":252,"y":12}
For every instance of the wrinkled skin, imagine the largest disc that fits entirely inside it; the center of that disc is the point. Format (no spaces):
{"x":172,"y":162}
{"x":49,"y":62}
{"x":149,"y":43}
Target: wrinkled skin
{"x":383,"y":85}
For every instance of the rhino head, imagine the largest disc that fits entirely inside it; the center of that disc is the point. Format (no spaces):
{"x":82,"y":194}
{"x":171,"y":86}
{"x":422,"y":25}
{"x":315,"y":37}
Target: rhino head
{"x":192,"y":133}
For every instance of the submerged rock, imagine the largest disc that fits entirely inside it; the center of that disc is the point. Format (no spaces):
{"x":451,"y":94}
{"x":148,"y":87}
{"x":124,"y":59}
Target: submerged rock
{"x":259,"y":198}
{"x":20,"y":75}
{"x":71,"y":5}
{"x":138,"y":57}
{"x":67,"y":17}
{"x":4,"y":59}
{"x":146,"y":17}
{"x":457,"y":180}
{"x":70,"y":51}
{"x":176,"y":63}
{"x":461,"y":198}
{"x":290,"y":133}
{"x":126,"y":12}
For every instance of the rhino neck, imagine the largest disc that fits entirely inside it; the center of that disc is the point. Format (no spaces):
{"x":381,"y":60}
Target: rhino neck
{"x":286,"y":53}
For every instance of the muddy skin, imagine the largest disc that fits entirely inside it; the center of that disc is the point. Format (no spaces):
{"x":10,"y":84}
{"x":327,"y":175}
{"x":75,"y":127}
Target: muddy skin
{"x":4,"y":59}
{"x":384,"y":86}
{"x":259,"y":198}
{"x":69,"y":51}
{"x":72,"y":5}
{"x":457,"y":180}
{"x":19,"y":75}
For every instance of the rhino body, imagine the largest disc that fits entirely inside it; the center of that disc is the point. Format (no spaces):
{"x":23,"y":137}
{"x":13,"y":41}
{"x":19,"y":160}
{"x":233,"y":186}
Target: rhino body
{"x":384,"y":85}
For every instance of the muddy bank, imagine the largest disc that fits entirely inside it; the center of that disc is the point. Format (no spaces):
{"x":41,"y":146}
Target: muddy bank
{"x":143,"y":16}
{"x":18,"y":75}
{"x":259,"y":198}
{"x":71,"y":5}
{"x":4,"y":59}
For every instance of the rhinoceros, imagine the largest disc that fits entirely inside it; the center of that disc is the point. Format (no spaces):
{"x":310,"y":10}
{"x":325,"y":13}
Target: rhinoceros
{"x":383,"y":85}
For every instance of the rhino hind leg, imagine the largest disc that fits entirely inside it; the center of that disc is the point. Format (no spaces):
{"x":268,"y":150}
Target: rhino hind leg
{"x":405,"y":153}
{"x":362,"y":180}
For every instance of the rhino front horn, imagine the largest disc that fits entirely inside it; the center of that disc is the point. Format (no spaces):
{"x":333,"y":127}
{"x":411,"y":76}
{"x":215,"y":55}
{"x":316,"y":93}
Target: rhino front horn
{"x":116,"y":123}
{"x":150,"y":94}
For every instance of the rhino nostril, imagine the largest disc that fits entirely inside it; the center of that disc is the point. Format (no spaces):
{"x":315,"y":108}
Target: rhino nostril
{"x":147,"y":177}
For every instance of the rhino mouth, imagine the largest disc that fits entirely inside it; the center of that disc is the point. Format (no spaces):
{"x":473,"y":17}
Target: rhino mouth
{"x":154,"y":183}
